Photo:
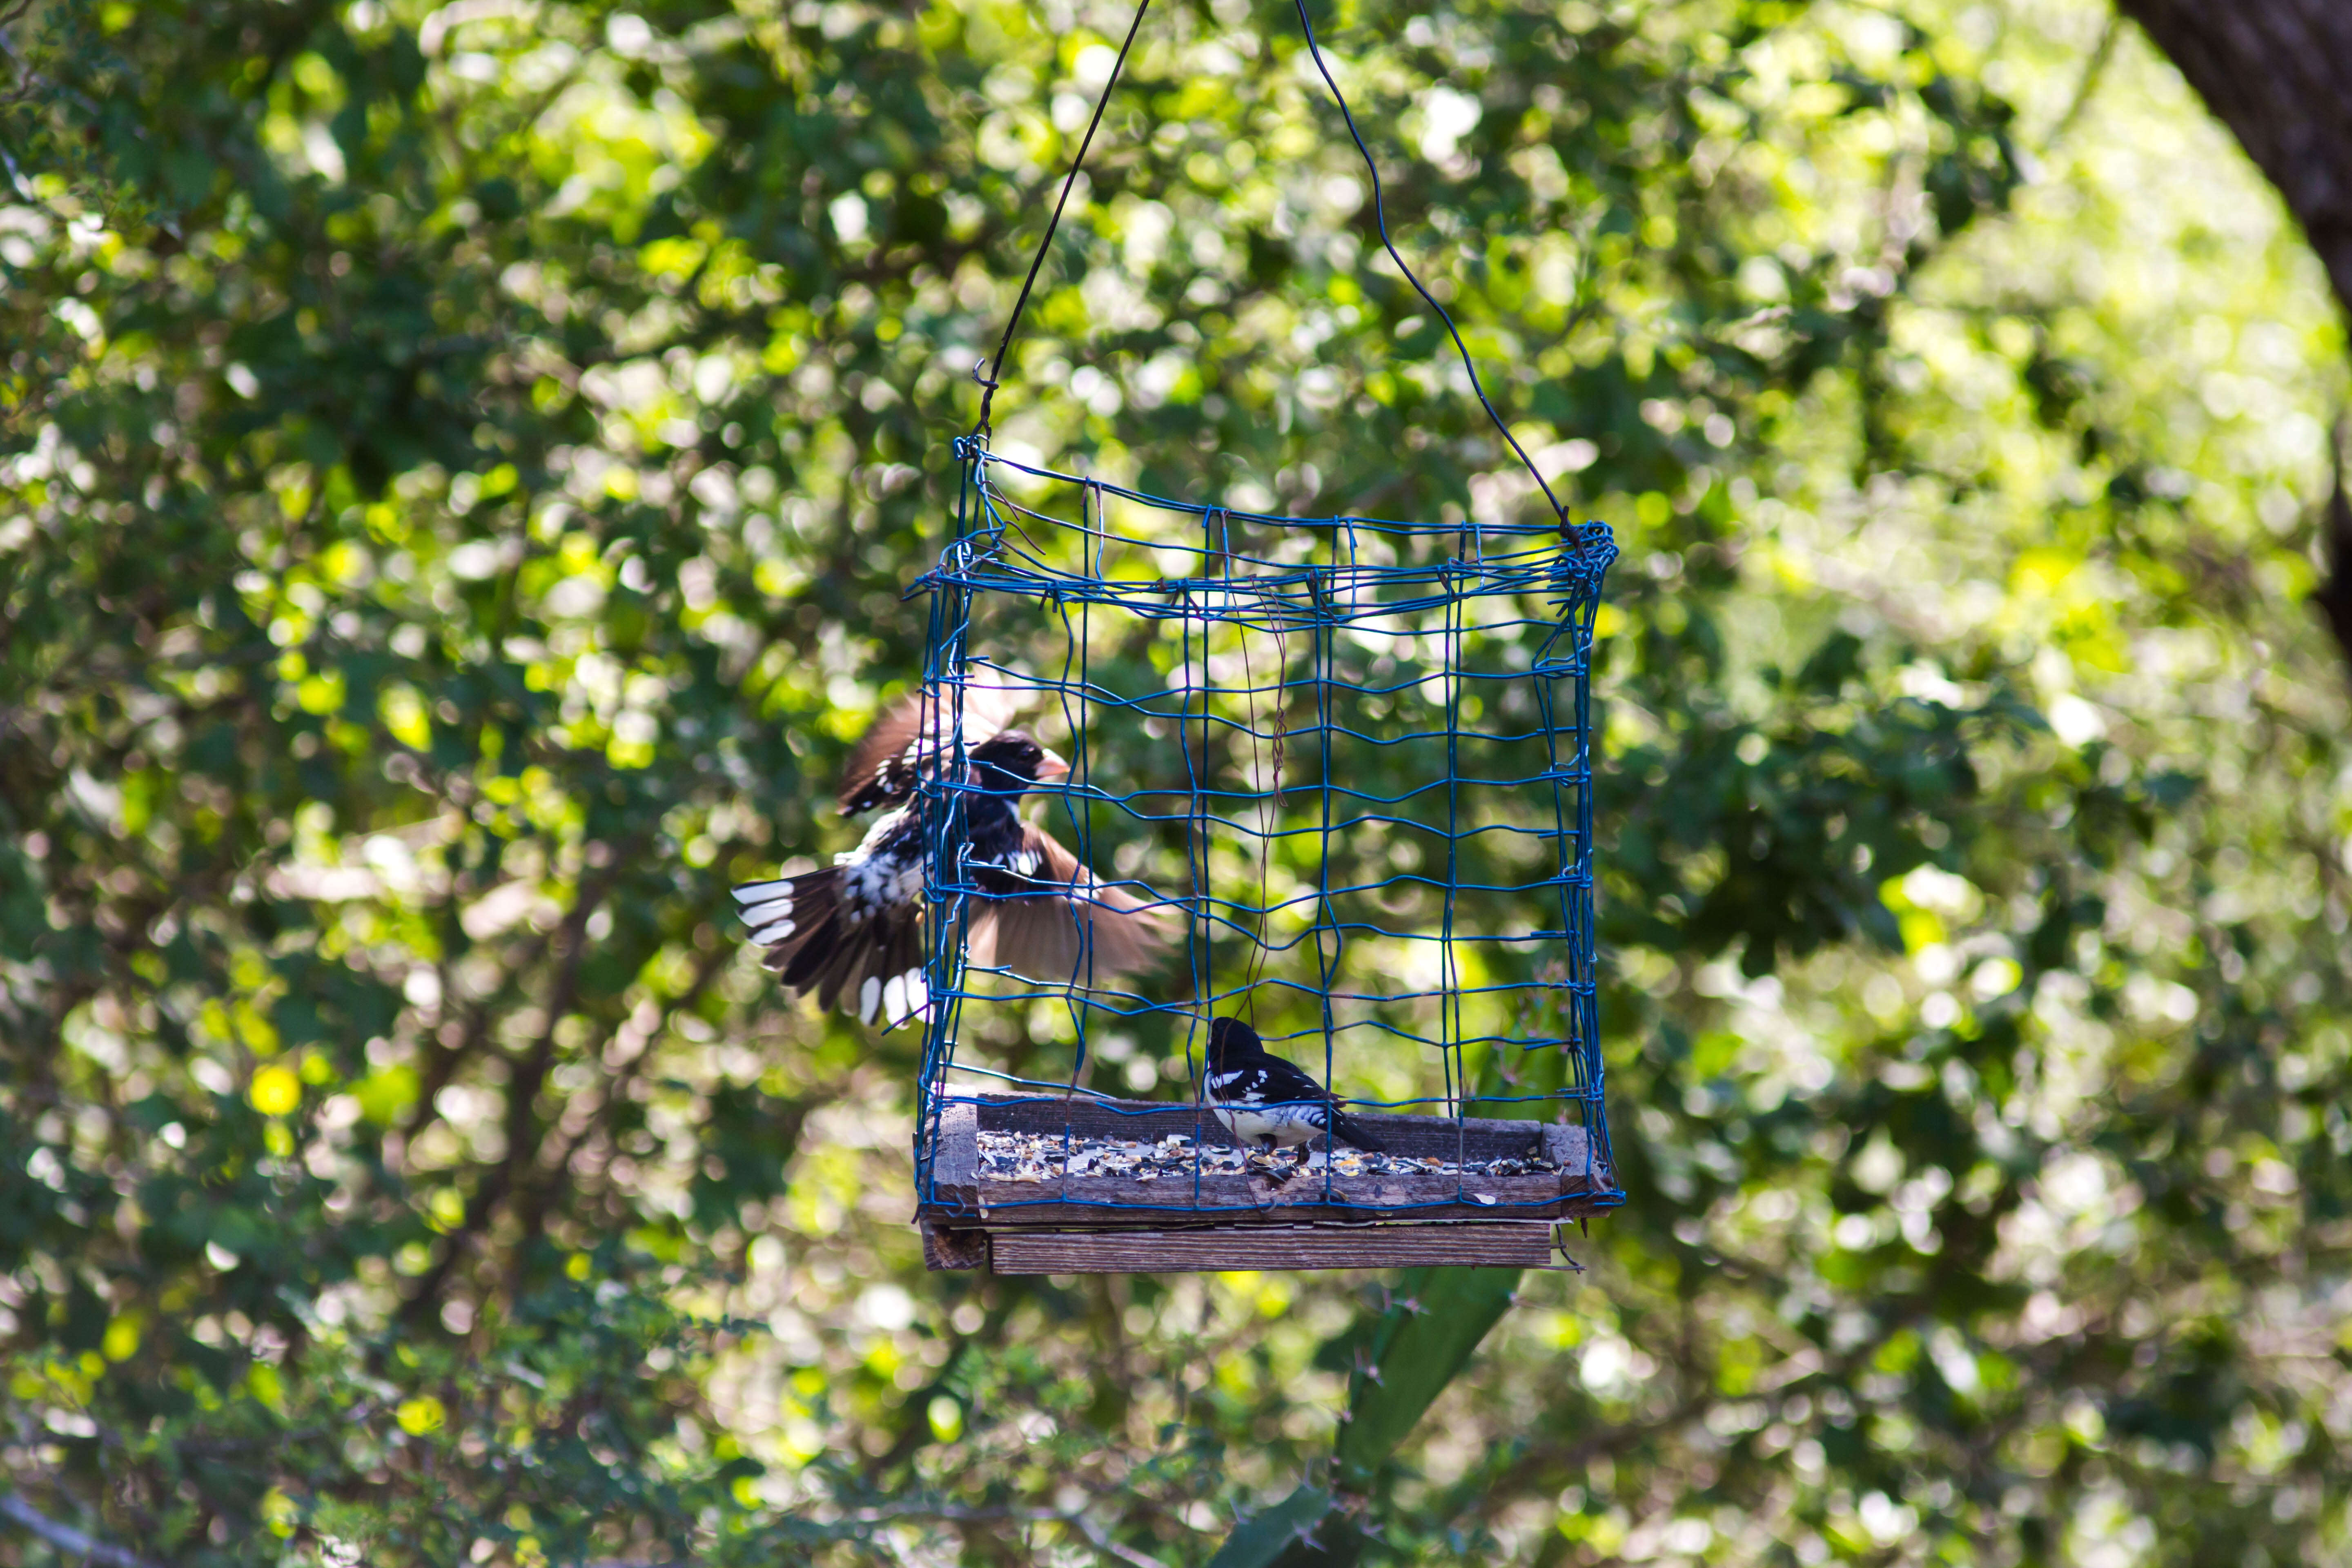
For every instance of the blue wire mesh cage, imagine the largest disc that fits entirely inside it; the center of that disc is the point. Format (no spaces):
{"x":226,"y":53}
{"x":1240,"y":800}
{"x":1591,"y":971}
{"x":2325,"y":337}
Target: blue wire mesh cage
{"x":1349,"y":761}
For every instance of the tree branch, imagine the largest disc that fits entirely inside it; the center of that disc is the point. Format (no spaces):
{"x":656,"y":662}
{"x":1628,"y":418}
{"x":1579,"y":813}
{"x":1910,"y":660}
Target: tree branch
{"x":2094,"y":72}
{"x":521,"y":1116}
{"x":66,"y":1539}
{"x":952,"y":1513}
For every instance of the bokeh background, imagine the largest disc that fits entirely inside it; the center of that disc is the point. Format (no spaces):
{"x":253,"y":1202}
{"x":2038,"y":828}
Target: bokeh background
{"x":459,"y":468}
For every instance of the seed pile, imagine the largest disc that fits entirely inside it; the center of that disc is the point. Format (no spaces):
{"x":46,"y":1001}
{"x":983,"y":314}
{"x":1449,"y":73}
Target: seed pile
{"x":1044,"y":1156}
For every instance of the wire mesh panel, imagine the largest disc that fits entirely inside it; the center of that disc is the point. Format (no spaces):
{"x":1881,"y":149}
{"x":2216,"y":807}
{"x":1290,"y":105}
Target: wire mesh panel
{"x":1348,"y":761}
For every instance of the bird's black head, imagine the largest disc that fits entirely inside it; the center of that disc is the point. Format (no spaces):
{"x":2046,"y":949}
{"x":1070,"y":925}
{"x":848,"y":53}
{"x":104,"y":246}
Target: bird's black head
{"x":1231,"y":1040}
{"x":1012,"y":760}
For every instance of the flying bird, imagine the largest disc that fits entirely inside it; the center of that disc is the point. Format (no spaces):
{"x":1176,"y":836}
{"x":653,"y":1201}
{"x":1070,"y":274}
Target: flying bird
{"x":851,"y":931}
{"x":891,"y":755}
{"x":1263,"y":1100}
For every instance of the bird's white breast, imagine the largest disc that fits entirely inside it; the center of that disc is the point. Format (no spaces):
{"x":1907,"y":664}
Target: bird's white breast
{"x":1253,"y":1122}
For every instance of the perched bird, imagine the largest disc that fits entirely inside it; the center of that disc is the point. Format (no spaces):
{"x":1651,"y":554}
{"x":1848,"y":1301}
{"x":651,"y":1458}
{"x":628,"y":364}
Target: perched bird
{"x":852,"y":933}
{"x":1263,"y":1100}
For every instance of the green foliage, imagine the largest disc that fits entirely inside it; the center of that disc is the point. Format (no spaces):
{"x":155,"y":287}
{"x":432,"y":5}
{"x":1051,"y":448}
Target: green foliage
{"x":1397,"y":1360}
{"x":1422,"y":1337}
{"x":1300,"y":1528}
{"x":458,"y":472}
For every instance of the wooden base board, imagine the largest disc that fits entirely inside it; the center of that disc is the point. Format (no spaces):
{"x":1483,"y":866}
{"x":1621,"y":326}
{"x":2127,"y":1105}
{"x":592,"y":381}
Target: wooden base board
{"x":1010,"y":1251}
{"x":944,"y":1247}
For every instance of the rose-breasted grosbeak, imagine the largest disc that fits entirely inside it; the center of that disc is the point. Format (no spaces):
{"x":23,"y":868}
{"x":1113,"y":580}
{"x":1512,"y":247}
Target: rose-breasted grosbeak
{"x":853,"y":931}
{"x":1262,"y":1098}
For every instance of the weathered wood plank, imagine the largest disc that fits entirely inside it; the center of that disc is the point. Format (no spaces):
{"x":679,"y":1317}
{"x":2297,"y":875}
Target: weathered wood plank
{"x":955,"y":1158}
{"x":1049,"y":1214}
{"x":1570,"y":1148}
{"x":1566,"y":1147}
{"x":1187,"y":1252}
{"x":948,"y":1247}
{"x":1076,"y":1216}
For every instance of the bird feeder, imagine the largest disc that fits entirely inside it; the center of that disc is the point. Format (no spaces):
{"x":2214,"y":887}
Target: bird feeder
{"x":1368,"y":741}
{"x":1352,"y":756}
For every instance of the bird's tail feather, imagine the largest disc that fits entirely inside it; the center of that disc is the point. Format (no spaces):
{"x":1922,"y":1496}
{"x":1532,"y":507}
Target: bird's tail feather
{"x":1354,"y":1132}
{"x":786,"y":914}
{"x":873,"y":969}
{"x":813,"y":945}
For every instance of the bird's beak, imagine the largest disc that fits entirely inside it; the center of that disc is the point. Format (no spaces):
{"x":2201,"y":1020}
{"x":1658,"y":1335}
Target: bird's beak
{"x":1052,"y":767}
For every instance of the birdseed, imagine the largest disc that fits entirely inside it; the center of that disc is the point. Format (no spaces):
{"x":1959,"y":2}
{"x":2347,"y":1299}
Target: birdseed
{"x":1048,"y":1156}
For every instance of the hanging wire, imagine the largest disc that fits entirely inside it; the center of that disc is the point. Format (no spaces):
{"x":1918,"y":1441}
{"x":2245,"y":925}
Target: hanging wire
{"x":1013,"y":323}
{"x":990,"y":383}
{"x":1380,"y":217}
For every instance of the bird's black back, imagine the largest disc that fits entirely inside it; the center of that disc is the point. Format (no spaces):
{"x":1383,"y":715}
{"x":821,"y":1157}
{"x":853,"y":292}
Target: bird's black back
{"x":1235,"y":1048}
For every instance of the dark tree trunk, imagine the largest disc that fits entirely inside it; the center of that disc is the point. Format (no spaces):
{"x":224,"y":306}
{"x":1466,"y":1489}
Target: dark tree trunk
{"x":2278,"y":73}
{"x":2333,"y":597}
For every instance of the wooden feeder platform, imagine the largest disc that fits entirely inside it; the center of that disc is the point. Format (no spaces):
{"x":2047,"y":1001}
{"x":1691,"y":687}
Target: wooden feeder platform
{"x":1034,"y":1186}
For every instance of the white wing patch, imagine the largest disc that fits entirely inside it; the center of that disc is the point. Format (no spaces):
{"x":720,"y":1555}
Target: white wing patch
{"x":767,"y":909}
{"x":1226,"y":1085}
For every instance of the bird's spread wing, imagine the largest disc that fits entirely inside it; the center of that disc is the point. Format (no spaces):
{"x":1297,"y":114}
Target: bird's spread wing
{"x":883,"y":768}
{"x":869,"y":957}
{"x":1073,"y":929}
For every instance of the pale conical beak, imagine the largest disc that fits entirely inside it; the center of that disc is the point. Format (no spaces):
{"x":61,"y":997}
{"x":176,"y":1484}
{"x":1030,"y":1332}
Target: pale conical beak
{"x":1052,"y":767}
